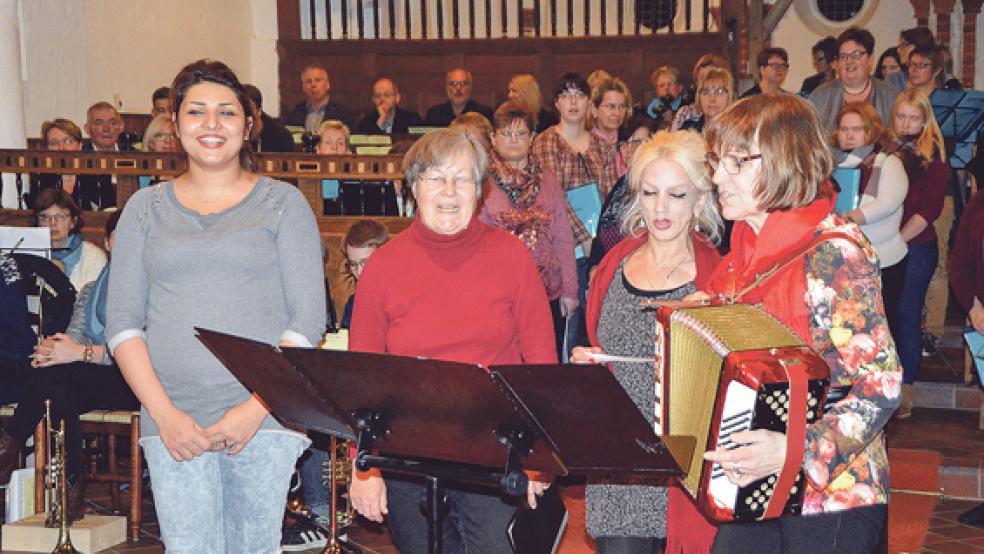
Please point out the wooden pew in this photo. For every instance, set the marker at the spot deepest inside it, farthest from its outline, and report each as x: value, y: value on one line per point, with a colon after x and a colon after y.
x: 306, y: 170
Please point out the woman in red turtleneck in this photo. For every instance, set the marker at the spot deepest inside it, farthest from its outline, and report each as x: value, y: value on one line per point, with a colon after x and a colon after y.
x: 467, y: 293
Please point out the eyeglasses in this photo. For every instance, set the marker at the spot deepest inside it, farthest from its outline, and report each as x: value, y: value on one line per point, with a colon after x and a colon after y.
x: 856, y: 55
x: 614, y: 107
x: 459, y: 84
x: 715, y: 91
x: 572, y: 95
x: 778, y: 66
x: 437, y: 180
x: 164, y: 136
x: 47, y: 218
x: 513, y: 135
x: 67, y: 141
x: 920, y: 65
x: 730, y: 162
x: 356, y: 265
x: 382, y: 95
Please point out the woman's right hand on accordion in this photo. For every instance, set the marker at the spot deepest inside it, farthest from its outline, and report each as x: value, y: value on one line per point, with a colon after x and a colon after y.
x: 583, y: 354
x: 761, y: 454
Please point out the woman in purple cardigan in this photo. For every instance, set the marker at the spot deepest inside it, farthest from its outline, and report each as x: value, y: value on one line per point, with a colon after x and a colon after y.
x: 526, y: 200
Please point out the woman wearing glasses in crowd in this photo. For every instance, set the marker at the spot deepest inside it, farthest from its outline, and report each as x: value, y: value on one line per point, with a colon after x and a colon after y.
x: 920, y: 146
x: 611, y: 104
x: 469, y: 293
x: 58, y: 135
x: 668, y: 254
x: 80, y: 259
x: 525, y: 200
x: 771, y: 163
x: 715, y: 92
x: 221, y: 248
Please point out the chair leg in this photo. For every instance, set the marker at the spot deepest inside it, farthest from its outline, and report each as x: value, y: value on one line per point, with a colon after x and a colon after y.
x: 114, y: 487
x: 136, y: 479
x: 40, y: 460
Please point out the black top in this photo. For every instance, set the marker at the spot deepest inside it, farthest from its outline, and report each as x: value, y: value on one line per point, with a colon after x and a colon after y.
x: 402, y: 121
x: 333, y: 110
x: 442, y: 115
x: 275, y: 137
x: 812, y: 82
x: 92, y: 192
x: 752, y: 91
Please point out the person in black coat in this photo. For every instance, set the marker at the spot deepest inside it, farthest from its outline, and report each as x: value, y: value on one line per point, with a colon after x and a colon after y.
x: 273, y: 136
x: 388, y: 117
x: 459, y: 88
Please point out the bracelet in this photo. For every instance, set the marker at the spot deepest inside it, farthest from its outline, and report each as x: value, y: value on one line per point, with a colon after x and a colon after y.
x: 87, y: 354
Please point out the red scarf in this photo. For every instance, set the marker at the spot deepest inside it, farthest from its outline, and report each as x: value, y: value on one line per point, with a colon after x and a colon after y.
x: 783, y: 235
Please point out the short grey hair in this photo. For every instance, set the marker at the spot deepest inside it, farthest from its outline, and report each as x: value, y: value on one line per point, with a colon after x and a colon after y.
x: 438, y: 147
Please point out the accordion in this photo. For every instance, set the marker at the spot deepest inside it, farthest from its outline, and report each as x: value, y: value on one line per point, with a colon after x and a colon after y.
x: 725, y: 369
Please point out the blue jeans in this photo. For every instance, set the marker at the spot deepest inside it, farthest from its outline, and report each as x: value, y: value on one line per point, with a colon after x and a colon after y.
x: 314, y: 493
x: 217, y: 503
x: 919, y: 271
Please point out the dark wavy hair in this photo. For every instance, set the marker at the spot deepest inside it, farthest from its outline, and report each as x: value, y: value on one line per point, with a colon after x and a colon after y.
x: 214, y: 71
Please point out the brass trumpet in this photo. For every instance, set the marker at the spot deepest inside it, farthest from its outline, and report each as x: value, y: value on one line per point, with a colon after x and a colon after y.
x: 337, y: 470
x: 56, y: 485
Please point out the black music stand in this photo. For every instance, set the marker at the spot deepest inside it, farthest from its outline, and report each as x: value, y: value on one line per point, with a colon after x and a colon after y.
x: 458, y: 422
x: 960, y: 116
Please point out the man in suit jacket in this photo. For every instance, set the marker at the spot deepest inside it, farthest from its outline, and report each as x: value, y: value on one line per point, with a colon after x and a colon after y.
x: 388, y: 117
x: 459, y: 87
x: 104, y: 126
x: 273, y: 136
x: 315, y: 83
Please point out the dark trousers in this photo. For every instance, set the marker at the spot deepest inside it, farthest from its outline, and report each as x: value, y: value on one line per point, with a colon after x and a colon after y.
x: 629, y: 545
x: 476, y: 522
x: 560, y: 328
x: 921, y: 265
x: 893, y: 281
x: 14, y: 370
x: 856, y: 531
x: 74, y: 389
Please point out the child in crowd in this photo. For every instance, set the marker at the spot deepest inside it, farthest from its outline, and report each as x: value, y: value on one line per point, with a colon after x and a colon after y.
x: 361, y: 240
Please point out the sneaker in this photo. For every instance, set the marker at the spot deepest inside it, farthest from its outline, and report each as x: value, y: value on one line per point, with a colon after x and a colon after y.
x: 929, y: 345
x: 301, y: 535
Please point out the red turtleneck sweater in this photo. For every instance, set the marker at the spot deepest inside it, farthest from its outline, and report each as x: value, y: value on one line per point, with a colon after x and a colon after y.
x: 472, y: 297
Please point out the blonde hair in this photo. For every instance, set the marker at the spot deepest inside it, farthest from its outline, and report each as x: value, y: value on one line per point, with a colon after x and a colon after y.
x: 687, y: 150
x: 330, y: 124
x: 930, y: 141
x: 529, y: 91
x: 596, y: 77
x: 664, y: 70
x: 612, y: 85
x: 716, y: 74
x: 153, y: 128
x: 785, y: 129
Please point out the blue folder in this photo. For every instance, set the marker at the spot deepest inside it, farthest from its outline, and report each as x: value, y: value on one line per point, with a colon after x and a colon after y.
x: 586, y: 202
x: 849, y: 181
x: 975, y: 342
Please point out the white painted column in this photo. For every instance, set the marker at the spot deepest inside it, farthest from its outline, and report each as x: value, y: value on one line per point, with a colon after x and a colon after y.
x: 12, y: 134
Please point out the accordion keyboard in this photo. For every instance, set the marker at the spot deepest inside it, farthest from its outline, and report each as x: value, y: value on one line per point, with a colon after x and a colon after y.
x: 736, y: 416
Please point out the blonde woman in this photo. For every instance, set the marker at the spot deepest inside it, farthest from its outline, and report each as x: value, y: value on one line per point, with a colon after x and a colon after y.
x: 525, y: 89
x: 662, y: 258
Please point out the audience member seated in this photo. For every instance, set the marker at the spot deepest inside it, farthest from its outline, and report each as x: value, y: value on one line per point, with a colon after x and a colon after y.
x: 271, y: 135
x: 824, y: 54
x: 75, y: 371
x: 525, y: 200
x: 861, y: 141
x: 909, y: 39
x: 854, y: 81
x: 715, y: 92
x: 160, y: 102
x: 63, y: 135
x: 388, y: 117
x: 524, y: 88
x: 16, y: 341
x: 82, y: 261
x: 611, y: 104
x: 596, y: 77
x: 318, y: 107
x: 333, y: 138
x: 926, y: 69
x: 888, y: 63
x: 773, y: 66
x: 669, y: 93
x: 160, y: 136
x: 459, y: 88
x: 104, y: 126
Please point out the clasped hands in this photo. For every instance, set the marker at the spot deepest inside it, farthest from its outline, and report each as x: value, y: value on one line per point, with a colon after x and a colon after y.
x: 56, y: 349
x: 185, y: 439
